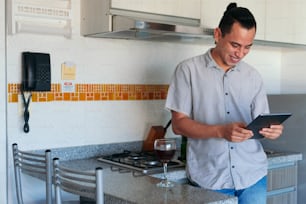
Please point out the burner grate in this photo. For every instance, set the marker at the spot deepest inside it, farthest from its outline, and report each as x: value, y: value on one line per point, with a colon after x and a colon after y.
x: 140, y: 162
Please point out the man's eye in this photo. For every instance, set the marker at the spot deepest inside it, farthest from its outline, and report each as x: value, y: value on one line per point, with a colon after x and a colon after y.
x: 235, y: 45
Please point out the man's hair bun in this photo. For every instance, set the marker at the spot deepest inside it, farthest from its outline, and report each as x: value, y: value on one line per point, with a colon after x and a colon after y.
x: 231, y: 6
x: 236, y: 14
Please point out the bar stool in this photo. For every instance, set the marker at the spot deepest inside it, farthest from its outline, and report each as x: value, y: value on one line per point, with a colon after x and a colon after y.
x: 32, y: 163
x: 84, y: 183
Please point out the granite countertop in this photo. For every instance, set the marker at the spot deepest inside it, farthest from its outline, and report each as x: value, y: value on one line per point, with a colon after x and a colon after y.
x: 277, y: 157
x: 126, y: 188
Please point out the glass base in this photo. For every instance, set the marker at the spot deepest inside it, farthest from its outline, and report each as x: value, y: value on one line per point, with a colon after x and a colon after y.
x: 165, y: 184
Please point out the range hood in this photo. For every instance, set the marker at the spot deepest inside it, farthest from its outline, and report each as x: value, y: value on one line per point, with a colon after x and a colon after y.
x: 99, y: 19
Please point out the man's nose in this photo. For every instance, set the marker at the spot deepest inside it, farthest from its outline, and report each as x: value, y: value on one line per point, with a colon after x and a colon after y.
x: 240, y: 52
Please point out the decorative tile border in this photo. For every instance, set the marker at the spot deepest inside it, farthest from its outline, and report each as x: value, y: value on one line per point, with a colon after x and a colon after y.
x: 95, y: 92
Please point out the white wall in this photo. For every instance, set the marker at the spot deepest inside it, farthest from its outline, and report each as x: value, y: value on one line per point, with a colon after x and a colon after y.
x: 3, y: 158
x: 293, y: 71
x: 267, y: 60
x: 59, y: 124
x: 98, y: 61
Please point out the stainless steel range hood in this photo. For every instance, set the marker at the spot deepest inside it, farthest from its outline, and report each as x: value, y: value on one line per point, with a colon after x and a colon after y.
x: 99, y: 19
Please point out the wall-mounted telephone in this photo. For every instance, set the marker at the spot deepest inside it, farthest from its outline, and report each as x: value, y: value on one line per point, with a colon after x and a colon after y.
x: 36, y: 75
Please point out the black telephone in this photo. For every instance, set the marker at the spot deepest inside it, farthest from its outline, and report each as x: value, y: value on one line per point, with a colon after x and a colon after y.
x: 36, y: 75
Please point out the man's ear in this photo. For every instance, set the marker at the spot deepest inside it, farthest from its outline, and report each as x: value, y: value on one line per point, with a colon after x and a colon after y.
x: 217, y: 34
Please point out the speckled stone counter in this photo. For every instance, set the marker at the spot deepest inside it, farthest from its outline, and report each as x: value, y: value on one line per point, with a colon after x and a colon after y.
x: 276, y: 158
x: 125, y: 188
x: 89, y: 151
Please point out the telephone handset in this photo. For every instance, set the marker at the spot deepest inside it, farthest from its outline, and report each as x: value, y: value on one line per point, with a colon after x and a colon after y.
x: 36, y: 76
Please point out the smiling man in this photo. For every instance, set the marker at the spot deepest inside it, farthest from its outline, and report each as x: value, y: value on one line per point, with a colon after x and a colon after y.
x: 212, y: 97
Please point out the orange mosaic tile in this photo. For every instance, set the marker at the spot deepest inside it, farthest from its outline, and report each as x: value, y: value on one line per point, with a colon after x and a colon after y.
x: 34, y: 97
x: 82, y: 96
x: 94, y: 92
x: 50, y: 96
x: 13, y: 98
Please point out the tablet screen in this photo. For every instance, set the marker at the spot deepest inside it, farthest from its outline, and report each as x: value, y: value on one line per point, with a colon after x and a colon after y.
x: 266, y: 120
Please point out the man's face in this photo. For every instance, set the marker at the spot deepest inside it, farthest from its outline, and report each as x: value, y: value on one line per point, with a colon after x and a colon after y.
x: 232, y: 47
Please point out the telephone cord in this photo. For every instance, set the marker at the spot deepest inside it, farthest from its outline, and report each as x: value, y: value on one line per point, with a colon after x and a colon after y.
x: 26, y: 102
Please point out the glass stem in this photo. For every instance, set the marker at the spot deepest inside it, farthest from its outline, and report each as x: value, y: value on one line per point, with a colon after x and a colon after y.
x: 165, y: 171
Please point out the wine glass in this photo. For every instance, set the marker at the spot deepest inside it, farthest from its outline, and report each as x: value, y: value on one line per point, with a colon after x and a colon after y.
x: 165, y: 150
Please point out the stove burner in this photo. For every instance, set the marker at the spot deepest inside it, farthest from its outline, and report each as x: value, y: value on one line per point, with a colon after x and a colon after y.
x: 135, y: 157
x: 151, y: 163
x: 143, y: 162
x: 140, y: 159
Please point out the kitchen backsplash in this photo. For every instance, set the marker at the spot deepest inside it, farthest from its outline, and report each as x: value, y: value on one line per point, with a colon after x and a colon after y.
x: 95, y: 92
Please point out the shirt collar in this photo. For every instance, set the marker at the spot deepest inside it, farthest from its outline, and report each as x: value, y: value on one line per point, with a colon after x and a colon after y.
x: 211, y: 63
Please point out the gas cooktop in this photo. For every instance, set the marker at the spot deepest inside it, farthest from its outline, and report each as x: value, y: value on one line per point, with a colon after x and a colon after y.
x: 140, y: 163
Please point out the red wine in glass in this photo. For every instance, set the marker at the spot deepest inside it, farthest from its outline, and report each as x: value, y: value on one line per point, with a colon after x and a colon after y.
x: 165, y: 156
x: 165, y: 150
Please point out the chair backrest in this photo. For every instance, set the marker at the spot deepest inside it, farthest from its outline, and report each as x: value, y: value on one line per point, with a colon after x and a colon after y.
x: 84, y: 183
x: 32, y: 163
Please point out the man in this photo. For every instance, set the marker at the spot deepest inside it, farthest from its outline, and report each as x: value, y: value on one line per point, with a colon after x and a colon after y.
x: 212, y: 97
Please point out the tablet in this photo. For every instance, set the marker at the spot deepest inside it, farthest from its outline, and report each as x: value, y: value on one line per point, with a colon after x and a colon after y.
x: 266, y: 120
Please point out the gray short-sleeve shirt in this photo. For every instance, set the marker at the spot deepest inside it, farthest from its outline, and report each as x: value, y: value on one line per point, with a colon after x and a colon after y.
x: 208, y: 94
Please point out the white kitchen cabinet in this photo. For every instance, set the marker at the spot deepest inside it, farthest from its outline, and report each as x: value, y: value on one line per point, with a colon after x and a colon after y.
x: 286, y: 21
x: 277, y: 20
x: 258, y: 8
x: 182, y: 8
x: 300, y: 23
x: 280, y: 20
x: 212, y: 11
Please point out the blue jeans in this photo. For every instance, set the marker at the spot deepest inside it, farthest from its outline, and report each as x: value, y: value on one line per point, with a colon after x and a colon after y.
x: 255, y: 194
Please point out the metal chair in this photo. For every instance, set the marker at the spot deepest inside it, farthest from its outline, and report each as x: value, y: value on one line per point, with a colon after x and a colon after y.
x: 84, y: 183
x: 32, y: 163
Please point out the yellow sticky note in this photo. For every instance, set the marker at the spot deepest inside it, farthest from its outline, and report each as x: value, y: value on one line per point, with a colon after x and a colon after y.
x: 68, y: 71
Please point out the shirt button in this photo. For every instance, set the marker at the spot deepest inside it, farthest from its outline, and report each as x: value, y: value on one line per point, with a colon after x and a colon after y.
x: 226, y: 94
x: 233, y: 166
x: 228, y: 112
x: 232, y: 147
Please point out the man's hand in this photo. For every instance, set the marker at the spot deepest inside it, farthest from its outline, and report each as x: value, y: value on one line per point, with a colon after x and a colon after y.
x: 273, y: 132
x: 236, y: 132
